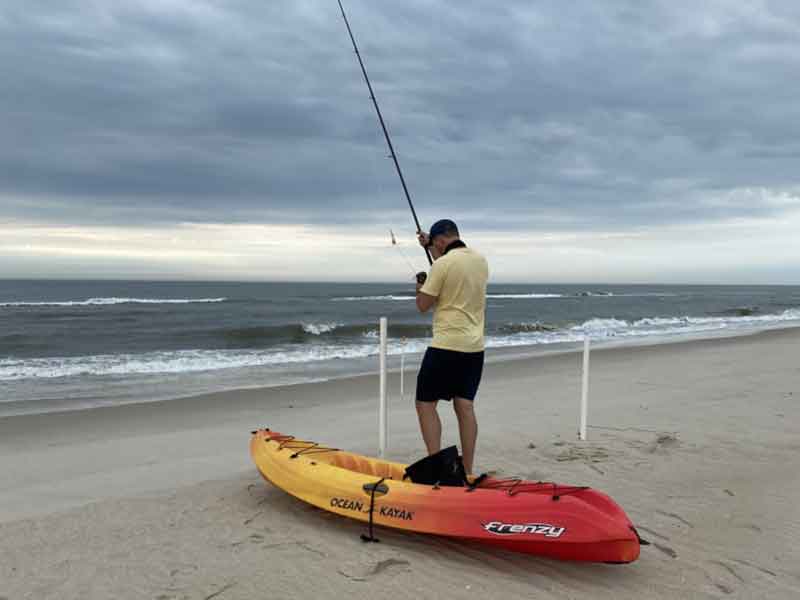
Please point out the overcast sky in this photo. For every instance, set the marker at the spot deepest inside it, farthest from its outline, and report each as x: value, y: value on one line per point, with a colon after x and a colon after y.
x: 619, y: 141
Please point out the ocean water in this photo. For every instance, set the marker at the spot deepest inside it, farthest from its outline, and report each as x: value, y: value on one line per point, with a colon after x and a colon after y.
x: 76, y: 344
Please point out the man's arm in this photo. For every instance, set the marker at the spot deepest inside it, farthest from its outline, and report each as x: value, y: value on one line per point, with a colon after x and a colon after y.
x: 431, y: 284
x: 424, y: 301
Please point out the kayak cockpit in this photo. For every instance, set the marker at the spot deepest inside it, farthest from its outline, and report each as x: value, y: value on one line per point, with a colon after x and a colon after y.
x: 356, y: 463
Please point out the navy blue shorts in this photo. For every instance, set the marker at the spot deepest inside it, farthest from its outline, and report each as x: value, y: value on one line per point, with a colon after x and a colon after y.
x: 447, y: 374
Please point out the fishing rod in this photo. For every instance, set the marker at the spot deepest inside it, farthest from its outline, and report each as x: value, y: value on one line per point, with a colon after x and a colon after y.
x: 383, y: 126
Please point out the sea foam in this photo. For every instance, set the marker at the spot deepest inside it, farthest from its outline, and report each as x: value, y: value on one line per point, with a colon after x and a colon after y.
x: 113, y: 301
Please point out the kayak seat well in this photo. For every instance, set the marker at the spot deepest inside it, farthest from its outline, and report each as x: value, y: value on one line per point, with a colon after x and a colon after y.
x: 365, y: 465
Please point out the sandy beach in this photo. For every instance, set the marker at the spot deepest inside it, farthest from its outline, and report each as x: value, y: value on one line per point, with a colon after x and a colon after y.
x: 698, y: 441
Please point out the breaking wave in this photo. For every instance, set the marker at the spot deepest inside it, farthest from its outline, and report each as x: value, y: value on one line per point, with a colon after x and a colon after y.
x: 384, y: 297
x: 114, y: 301
x: 401, y: 342
x: 512, y: 296
x: 523, y: 296
x: 404, y: 297
x: 319, y: 328
x: 186, y: 361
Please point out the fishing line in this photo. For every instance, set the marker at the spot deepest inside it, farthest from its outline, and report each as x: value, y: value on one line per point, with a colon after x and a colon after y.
x: 376, y: 173
x: 403, y: 254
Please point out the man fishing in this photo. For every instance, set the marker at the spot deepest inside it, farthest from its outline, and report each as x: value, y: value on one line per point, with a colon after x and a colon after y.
x: 452, y: 366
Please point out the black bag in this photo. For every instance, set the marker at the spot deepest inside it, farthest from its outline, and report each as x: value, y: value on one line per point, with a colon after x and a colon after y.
x: 443, y: 468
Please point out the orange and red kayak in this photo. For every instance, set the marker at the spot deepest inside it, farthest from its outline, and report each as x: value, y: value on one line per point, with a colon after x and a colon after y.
x: 548, y: 519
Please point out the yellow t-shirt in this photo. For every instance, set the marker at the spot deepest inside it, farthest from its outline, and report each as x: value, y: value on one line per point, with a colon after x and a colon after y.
x: 458, y: 281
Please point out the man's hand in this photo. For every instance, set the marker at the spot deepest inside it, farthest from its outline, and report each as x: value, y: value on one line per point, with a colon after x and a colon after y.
x: 425, y: 242
x: 424, y: 302
x: 422, y: 277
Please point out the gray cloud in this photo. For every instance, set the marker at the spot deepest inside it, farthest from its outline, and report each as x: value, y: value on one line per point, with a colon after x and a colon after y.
x: 532, y: 115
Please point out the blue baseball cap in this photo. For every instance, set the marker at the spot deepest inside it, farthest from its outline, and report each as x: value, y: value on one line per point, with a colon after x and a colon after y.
x: 441, y: 227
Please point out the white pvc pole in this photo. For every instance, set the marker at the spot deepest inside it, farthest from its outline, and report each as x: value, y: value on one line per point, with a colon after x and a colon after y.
x: 402, y: 369
x: 584, y: 389
x: 382, y: 428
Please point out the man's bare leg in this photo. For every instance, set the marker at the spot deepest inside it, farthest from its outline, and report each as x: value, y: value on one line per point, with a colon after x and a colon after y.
x: 430, y: 425
x: 467, y: 429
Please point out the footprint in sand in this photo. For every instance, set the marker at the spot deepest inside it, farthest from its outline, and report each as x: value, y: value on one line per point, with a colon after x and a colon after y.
x: 756, y: 567
x: 676, y: 517
x: 665, y: 549
x: 663, y: 443
x: 220, y: 591
x: 590, y: 454
x: 254, y: 538
x: 725, y: 587
x: 293, y: 545
x: 382, y: 566
x: 184, y: 570
x: 652, y: 532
